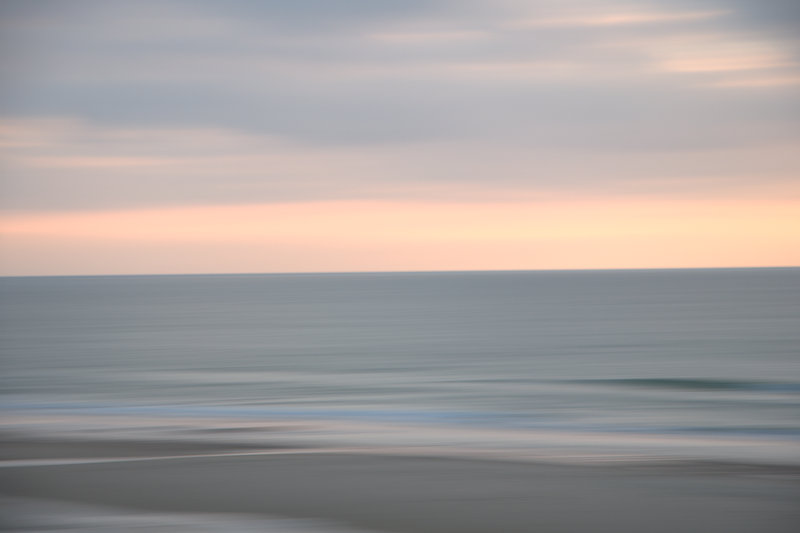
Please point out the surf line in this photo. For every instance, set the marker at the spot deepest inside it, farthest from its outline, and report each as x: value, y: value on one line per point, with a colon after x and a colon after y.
x: 15, y: 463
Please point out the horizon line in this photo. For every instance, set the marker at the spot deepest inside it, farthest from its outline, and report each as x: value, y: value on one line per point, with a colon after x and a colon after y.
x: 361, y: 272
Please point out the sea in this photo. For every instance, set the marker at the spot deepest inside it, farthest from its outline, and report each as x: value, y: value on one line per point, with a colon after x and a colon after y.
x: 564, y: 366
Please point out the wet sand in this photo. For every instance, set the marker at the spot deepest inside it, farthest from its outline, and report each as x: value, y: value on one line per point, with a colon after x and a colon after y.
x: 433, y: 494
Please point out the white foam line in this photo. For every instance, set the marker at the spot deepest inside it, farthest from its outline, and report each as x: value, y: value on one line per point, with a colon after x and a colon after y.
x: 12, y: 463
x: 502, y: 455
x: 485, y: 454
x: 410, y: 451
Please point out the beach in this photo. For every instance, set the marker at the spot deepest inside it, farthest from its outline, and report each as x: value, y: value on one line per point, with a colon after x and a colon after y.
x: 416, y: 493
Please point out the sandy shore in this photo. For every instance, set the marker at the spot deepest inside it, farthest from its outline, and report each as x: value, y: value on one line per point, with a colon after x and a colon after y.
x: 428, y: 494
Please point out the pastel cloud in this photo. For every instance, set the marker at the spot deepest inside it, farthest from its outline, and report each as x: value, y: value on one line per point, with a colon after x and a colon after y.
x: 367, y: 125
x: 68, y: 164
x: 429, y: 70
x: 619, y: 18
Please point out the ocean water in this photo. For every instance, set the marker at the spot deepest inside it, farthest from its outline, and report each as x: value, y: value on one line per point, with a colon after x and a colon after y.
x: 570, y: 365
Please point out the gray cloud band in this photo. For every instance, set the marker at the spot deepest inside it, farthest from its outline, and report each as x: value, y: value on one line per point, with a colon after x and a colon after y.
x: 551, y: 81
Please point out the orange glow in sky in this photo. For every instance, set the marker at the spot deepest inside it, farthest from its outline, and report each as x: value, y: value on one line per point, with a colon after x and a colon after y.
x: 375, y: 236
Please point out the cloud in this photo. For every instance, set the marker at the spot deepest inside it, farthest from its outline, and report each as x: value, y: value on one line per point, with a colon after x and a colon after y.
x: 612, y: 18
x: 178, y: 102
x: 67, y: 164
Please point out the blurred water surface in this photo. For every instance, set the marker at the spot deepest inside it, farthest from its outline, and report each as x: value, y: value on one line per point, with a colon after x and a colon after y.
x: 709, y: 353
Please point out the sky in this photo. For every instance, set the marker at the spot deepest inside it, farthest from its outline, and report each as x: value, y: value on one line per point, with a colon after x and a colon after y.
x: 199, y: 136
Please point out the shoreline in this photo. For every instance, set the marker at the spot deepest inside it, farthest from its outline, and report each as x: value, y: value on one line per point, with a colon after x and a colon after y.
x: 426, y: 492
x: 21, y: 449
